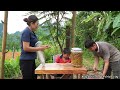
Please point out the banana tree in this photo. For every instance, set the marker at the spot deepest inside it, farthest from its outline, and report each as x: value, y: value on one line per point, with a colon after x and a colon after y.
x: 106, y: 26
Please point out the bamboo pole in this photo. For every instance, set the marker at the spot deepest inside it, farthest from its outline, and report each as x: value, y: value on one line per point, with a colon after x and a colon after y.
x: 3, y: 45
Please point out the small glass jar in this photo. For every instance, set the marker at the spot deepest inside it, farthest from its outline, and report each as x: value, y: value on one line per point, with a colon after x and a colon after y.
x: 76, y: 57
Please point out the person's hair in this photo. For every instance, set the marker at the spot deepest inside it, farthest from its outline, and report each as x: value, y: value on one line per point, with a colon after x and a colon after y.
x: 66, y: 51
x: 89, y: 43
x: 31, y: 18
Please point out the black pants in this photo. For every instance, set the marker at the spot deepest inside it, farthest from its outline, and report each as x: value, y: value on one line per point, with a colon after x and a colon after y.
x: 114, y: 67
x: 27, y: 68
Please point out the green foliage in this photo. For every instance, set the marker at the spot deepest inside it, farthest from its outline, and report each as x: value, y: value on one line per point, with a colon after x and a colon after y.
x: 116, y: 22
x: 46, y: 34
x: 108, y: 21
x: 96, y: 25
x: 37, y: 62
x: 11, y: 68
x: 50, y: 52
x: 99, y: 27
x: 1, y: 29
x: 85, y: 31
x: 88, y: 60
x: 93, y: 15
x: 103, y: 26
x: 53, y: 24
x: 116, y: 31
x: 0, y: 44
x: 13, y: 40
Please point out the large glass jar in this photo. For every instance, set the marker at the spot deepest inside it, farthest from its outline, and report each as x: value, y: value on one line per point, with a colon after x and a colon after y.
x: 76, y: 57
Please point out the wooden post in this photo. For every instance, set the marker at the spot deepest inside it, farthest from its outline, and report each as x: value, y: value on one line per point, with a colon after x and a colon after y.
x: 73, y: 29
x: 3, y: 45
x: 73, y: 35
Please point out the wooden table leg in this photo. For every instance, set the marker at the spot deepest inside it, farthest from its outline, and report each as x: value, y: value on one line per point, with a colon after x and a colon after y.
x: 44, y: 76
x: 75, y: 76
x: 79, y: 76
x: 41, y: 76
x: 48, y: 76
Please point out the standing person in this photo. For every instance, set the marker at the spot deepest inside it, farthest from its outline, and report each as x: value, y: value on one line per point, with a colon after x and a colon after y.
x: 28, y: 49
x: 110, y: 55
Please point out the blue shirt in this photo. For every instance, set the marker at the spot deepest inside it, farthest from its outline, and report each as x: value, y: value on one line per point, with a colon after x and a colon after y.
x: 28, y: 36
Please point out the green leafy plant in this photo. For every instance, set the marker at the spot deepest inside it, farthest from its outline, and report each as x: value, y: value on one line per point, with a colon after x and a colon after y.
x: 12, y: 69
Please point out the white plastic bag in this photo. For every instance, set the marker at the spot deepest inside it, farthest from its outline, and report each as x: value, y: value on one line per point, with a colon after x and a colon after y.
x: 40, y: 54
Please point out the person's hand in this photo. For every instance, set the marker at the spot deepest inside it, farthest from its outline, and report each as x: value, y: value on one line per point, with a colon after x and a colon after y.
x: 94, y: 68
x: 46, y: 46
x: 41, y: 48
x: 103, y: 75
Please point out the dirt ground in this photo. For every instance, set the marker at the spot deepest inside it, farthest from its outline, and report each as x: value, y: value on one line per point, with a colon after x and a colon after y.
x: 89, y: 75
x: 9, y: 55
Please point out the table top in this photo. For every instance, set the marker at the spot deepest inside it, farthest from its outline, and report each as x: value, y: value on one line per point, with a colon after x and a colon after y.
x: 59, y: 68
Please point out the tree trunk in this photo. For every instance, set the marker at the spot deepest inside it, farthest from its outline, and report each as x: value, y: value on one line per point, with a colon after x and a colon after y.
x: 53, y: 41
x: 57, y: 39
x: 68, y: 36
x: 3, y: 45
x: 73, y: 28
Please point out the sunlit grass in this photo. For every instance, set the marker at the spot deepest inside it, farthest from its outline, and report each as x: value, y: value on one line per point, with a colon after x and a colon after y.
x: 88, y: 60
x: 11, y: 69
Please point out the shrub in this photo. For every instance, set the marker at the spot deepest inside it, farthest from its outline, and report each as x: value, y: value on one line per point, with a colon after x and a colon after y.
x: 11, y: 68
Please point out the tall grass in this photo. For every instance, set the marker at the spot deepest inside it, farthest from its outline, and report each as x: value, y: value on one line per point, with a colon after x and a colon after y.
x: 12, y: 69
x: 88, y: 60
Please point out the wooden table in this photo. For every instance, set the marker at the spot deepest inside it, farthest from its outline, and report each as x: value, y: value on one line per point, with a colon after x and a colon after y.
x: 60, y: 68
